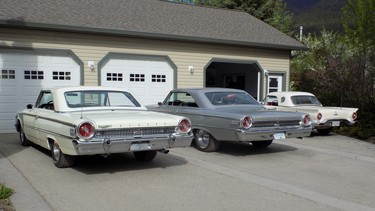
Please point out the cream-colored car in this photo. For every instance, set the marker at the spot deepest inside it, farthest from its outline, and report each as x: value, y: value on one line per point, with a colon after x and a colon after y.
x: 76, y: 121
x: 323, y: 118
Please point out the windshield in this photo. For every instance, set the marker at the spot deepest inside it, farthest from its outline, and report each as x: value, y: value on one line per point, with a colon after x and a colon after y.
x: 230, y: 98
x: 75, y: 99
x: 305, y: 100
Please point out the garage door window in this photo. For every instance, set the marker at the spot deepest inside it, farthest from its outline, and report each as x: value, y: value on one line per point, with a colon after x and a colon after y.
x: 114, y: 76
x: 34, y: 75
x: 137, y: 77
x: 8, y: 74
x: 61, y: 76
x: 158, y: 78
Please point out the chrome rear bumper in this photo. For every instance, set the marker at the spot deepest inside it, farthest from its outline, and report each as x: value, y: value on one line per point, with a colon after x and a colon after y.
x: 118, y: 145
x: 265, y: 134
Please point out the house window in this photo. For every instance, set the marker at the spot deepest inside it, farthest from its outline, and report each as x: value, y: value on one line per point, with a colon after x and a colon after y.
x: 158, y: 78
x: 114, y: 76
x: 8, y: 74
x: 61, y: 76
x: 137, y: 77
x: 34, y: 74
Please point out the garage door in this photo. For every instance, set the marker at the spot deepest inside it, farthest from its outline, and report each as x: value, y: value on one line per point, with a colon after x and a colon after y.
x: 23, y: 75
x: 149, y: 78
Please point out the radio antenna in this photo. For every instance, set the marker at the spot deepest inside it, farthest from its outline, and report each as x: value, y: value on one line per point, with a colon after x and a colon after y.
x: 82, y: 104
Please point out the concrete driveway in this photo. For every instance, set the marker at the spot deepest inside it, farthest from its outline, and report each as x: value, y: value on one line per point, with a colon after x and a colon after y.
x: 318, y: 173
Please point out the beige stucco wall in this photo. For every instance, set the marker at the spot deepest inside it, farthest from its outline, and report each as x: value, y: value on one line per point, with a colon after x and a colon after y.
x: 94, y: 47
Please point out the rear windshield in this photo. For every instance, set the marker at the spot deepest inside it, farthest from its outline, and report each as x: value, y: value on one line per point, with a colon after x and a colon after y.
x: 230, y: 98
x: 305, y: 100
x: 91, y: 98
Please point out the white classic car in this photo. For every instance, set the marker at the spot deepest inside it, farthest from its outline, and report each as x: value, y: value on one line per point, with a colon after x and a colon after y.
x: 323, y: 118
x: 76, y: 121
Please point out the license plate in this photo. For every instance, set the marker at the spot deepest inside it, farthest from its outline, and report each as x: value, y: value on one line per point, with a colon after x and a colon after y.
x: 335, y: 123
x: 140, y: 147
x: 278, y: 136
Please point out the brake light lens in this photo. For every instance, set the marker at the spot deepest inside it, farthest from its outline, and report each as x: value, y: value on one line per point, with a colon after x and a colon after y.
x: 85, y: 130
x: 354, y: 115
x: 246, y: 122
x: 319, y: 116
x: 184, y: 126
x: 306, y: 120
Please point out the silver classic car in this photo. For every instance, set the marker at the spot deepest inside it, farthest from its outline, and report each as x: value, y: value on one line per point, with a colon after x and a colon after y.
x: 97, y: 120
x: 221, y: 114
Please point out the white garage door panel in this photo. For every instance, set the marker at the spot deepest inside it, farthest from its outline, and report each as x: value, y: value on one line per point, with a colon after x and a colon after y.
x: 22, y: 77
x: 148, y: 78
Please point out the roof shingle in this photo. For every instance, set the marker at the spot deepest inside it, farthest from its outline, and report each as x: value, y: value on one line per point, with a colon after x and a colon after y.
x: 147, y: 18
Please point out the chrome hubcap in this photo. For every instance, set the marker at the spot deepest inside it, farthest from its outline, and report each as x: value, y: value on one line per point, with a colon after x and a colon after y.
x: 203, y: 139
x: 22, y: 138
x: 56, y: 152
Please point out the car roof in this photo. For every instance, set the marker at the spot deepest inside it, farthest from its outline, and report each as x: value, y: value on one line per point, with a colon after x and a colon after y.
x: 290, y: 93
x: 84, y: 88
x: 209, y: 89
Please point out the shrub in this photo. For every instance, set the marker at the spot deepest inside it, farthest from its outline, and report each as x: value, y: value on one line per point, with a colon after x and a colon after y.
x: 5, y: 192
x: 364, y: 129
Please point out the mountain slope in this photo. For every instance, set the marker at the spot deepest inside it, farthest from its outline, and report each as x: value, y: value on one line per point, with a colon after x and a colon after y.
x: 315, y: 15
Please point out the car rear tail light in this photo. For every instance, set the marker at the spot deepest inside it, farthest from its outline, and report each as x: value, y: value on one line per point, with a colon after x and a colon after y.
x: 306, y: 120
x: 246, y: 122
x: 319, y: 116
x: 354, y: 115
x: 85, y: 130
x: 184, y: 126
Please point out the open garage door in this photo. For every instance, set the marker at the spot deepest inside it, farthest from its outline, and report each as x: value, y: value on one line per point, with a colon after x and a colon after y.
x: 245, y: 75
x: 23, y: 75
x: 149, y: 78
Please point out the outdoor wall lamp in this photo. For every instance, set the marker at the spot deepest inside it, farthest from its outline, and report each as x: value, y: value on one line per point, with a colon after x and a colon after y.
x: 191, y: 69
x: 91, y: 65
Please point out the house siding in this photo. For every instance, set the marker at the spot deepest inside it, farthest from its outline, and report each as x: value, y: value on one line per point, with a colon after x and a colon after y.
x: 90, y: 47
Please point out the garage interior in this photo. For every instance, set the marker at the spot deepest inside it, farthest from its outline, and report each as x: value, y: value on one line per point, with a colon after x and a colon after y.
x: 243, y: 76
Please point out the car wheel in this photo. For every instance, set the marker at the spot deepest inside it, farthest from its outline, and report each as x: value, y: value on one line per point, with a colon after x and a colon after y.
x: 261, y: 144
x: 60, y: 159
x: 205, y: 142
x: 24, y: 141
x: 324, y: 131
x: 145, y: 155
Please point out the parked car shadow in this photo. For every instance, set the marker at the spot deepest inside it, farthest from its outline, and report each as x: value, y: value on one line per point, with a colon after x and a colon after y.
x: 124, y: 162
x: 97, y: 164
x: 246, y: 149
x: 314, y: 132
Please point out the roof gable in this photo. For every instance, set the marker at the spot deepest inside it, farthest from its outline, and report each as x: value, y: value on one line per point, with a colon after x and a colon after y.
x: 147, y: 18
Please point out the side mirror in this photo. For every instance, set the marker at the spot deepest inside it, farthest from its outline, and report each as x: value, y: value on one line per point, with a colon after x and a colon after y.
x: 29, y: 106
x: 160, y: 103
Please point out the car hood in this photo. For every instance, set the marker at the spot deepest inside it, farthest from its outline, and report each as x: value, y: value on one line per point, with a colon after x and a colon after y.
x: 128, y: 118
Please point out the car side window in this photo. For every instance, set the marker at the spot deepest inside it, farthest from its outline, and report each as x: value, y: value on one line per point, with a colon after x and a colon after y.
x: 181, y: 99
x: 45, y: 101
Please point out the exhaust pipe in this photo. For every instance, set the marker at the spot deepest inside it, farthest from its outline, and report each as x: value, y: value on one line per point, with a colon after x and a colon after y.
x: 165, y: 151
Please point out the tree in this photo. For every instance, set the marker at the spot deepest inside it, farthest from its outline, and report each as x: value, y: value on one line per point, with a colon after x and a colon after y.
x: 325, y: 69
x: 359, y: 24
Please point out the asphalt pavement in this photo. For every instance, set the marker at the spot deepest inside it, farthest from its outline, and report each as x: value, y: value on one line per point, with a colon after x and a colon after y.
x: 319, y: 173
x: 25, y: 198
